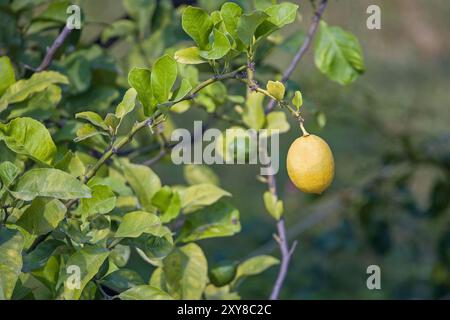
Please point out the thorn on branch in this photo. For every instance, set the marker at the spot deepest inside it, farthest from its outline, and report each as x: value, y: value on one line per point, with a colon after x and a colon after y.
x: 294, y: 245
x: 277, y: 238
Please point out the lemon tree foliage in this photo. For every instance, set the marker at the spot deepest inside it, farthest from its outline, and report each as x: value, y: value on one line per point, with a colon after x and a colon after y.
x: 77, y: 196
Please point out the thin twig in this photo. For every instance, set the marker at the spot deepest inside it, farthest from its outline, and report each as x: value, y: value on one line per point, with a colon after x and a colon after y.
x: 54, y: 47
x: 286, y: 252
x: 301, y: 52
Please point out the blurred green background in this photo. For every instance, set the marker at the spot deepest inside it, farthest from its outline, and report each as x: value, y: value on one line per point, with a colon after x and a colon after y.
x: 389, y: 131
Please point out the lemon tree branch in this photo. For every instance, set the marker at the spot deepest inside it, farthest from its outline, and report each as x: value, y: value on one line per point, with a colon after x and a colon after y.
x: 286, y: 251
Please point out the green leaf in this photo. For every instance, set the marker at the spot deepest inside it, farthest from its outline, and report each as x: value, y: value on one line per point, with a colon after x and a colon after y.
x: 183, y: 90
x: 140, y: 79
x: 138, y: 222
x: 37, y: 258
x: 153, y: 248
x: 200, y: 195
x: 102, y: 201
x: 144, y: 292
x: 231, y: 12
x: 22, y: 89
x: 276, y: 89
x: 221, y: 46
x: 41, y: 105
x: 52, y: 183
x: 87, y: 131
x: 253, y: 115
x: 120, y: 255
x: 29, y: 137
x: 163, y: 77
x: 11, y: 245
x: 168, y: 203
x: 220, y: 293
x: 198, y: 174
x: 158, y: 247
x: 127, y: 104
x: 8, y: 173
x: 222, y: 274
x: 122, y: 279
x: 71, y: 163
x: 89, y: 259
x: 282, y: 14
x: 273, y: 205
x: 247, y: 25
x: 254, y: 266
x: 278, y: 16
x: 144, y: 182
x: 338, y: 54
x: 217, y: 220
x: 186, y: 272
x: 93, y: 118
x: 42, y: 216
x: 198, y: 25
x: 6, y: 74
x: 297, y: 100
x: 189, y: 55
x: 112, y: 121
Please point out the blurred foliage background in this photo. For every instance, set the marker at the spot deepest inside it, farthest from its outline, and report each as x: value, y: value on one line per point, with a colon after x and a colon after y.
x: 389, y: 131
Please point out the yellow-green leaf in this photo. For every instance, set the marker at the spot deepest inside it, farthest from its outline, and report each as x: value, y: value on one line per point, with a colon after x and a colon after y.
x: 276, y: 89
x: 136, y: 223
x: 42, y: 216
x: 6, y: 74
x: 22, y: 89
x: 297, y: 100
x: 144, y: 182
x: 198, y: 25
x: 144, y: 292
x: 11, y: 245
x: 189, y: 56
x: 29, y: 137
x: 163, y: 77
x: 52, y: 183
x: 338, y: 54
x: 186, y: 272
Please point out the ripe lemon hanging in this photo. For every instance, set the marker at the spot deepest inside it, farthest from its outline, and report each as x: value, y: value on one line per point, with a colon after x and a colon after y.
x: 310, y: 164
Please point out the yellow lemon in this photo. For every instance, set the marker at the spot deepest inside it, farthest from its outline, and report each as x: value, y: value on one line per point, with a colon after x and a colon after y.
x: 310, y: 164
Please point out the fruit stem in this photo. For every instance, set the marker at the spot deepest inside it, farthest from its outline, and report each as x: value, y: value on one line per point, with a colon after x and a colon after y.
x: 300, y: 122
x: 302, y: 127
